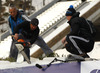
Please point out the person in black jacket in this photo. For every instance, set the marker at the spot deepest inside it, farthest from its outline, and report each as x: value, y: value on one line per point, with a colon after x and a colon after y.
x: 30, y: 34
x: 79, y: 41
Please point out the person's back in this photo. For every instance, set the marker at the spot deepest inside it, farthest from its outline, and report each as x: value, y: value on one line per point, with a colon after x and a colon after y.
x: 87, y: 29
x: 83, y: 28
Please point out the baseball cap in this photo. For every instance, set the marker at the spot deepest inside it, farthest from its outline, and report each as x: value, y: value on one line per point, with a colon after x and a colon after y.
x: 34, y: 21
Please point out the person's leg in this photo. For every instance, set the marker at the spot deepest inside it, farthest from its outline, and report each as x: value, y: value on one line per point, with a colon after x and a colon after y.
x: 26, y: 49
x: 72, y: 45
x: 89, y: 46
x: 41, y: 43
x: 13, y: 50
x: 79, y: 45
x: 71, y: 49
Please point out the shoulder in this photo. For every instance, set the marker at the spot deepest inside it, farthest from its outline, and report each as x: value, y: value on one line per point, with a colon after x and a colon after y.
x: 26, y: 22
x: 19, y: 15
x: 77, y: 19
x: 74, y: 20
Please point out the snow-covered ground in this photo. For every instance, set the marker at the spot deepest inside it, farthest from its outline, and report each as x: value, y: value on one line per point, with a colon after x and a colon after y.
x: 61, y: 52
x: 34, y: 61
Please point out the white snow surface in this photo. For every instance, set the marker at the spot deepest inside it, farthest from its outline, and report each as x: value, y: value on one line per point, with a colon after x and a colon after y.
x: 45, y: 61
x: 62, y: 56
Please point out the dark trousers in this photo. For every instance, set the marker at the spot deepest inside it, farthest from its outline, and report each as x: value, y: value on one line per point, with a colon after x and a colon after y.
x: 14, y: 51
x: 79, y: 45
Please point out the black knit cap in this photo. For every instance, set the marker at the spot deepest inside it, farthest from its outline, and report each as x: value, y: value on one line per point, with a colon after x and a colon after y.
x: 35, y: 21
x: 70, y: 11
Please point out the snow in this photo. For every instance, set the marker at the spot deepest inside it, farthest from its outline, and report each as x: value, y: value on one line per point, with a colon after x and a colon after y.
x: 5, y: 47
x: 62, y: 56
x: 34, y: 61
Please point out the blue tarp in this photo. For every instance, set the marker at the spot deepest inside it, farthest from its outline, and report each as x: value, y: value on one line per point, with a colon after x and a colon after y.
x: 54, y: 68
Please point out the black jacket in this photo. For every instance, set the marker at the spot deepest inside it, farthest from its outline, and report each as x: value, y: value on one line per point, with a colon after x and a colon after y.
x: 27, y: 32
x: 79, y: 26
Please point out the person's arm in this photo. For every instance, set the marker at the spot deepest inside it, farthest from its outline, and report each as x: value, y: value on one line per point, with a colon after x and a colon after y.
x: 20, y: 26
x: 9, y: 26
x: 64, y: 40
x: 9, y: 23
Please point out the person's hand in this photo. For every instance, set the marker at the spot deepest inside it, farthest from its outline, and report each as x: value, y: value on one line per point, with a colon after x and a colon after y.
x: 63, y: 40
x: 29, y: 44
x: 65, y: 43
x: 16, y: 36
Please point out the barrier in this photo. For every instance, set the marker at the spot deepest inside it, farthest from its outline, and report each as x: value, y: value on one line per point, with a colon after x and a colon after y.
x: 54, y: 68
x: 74, y: 67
